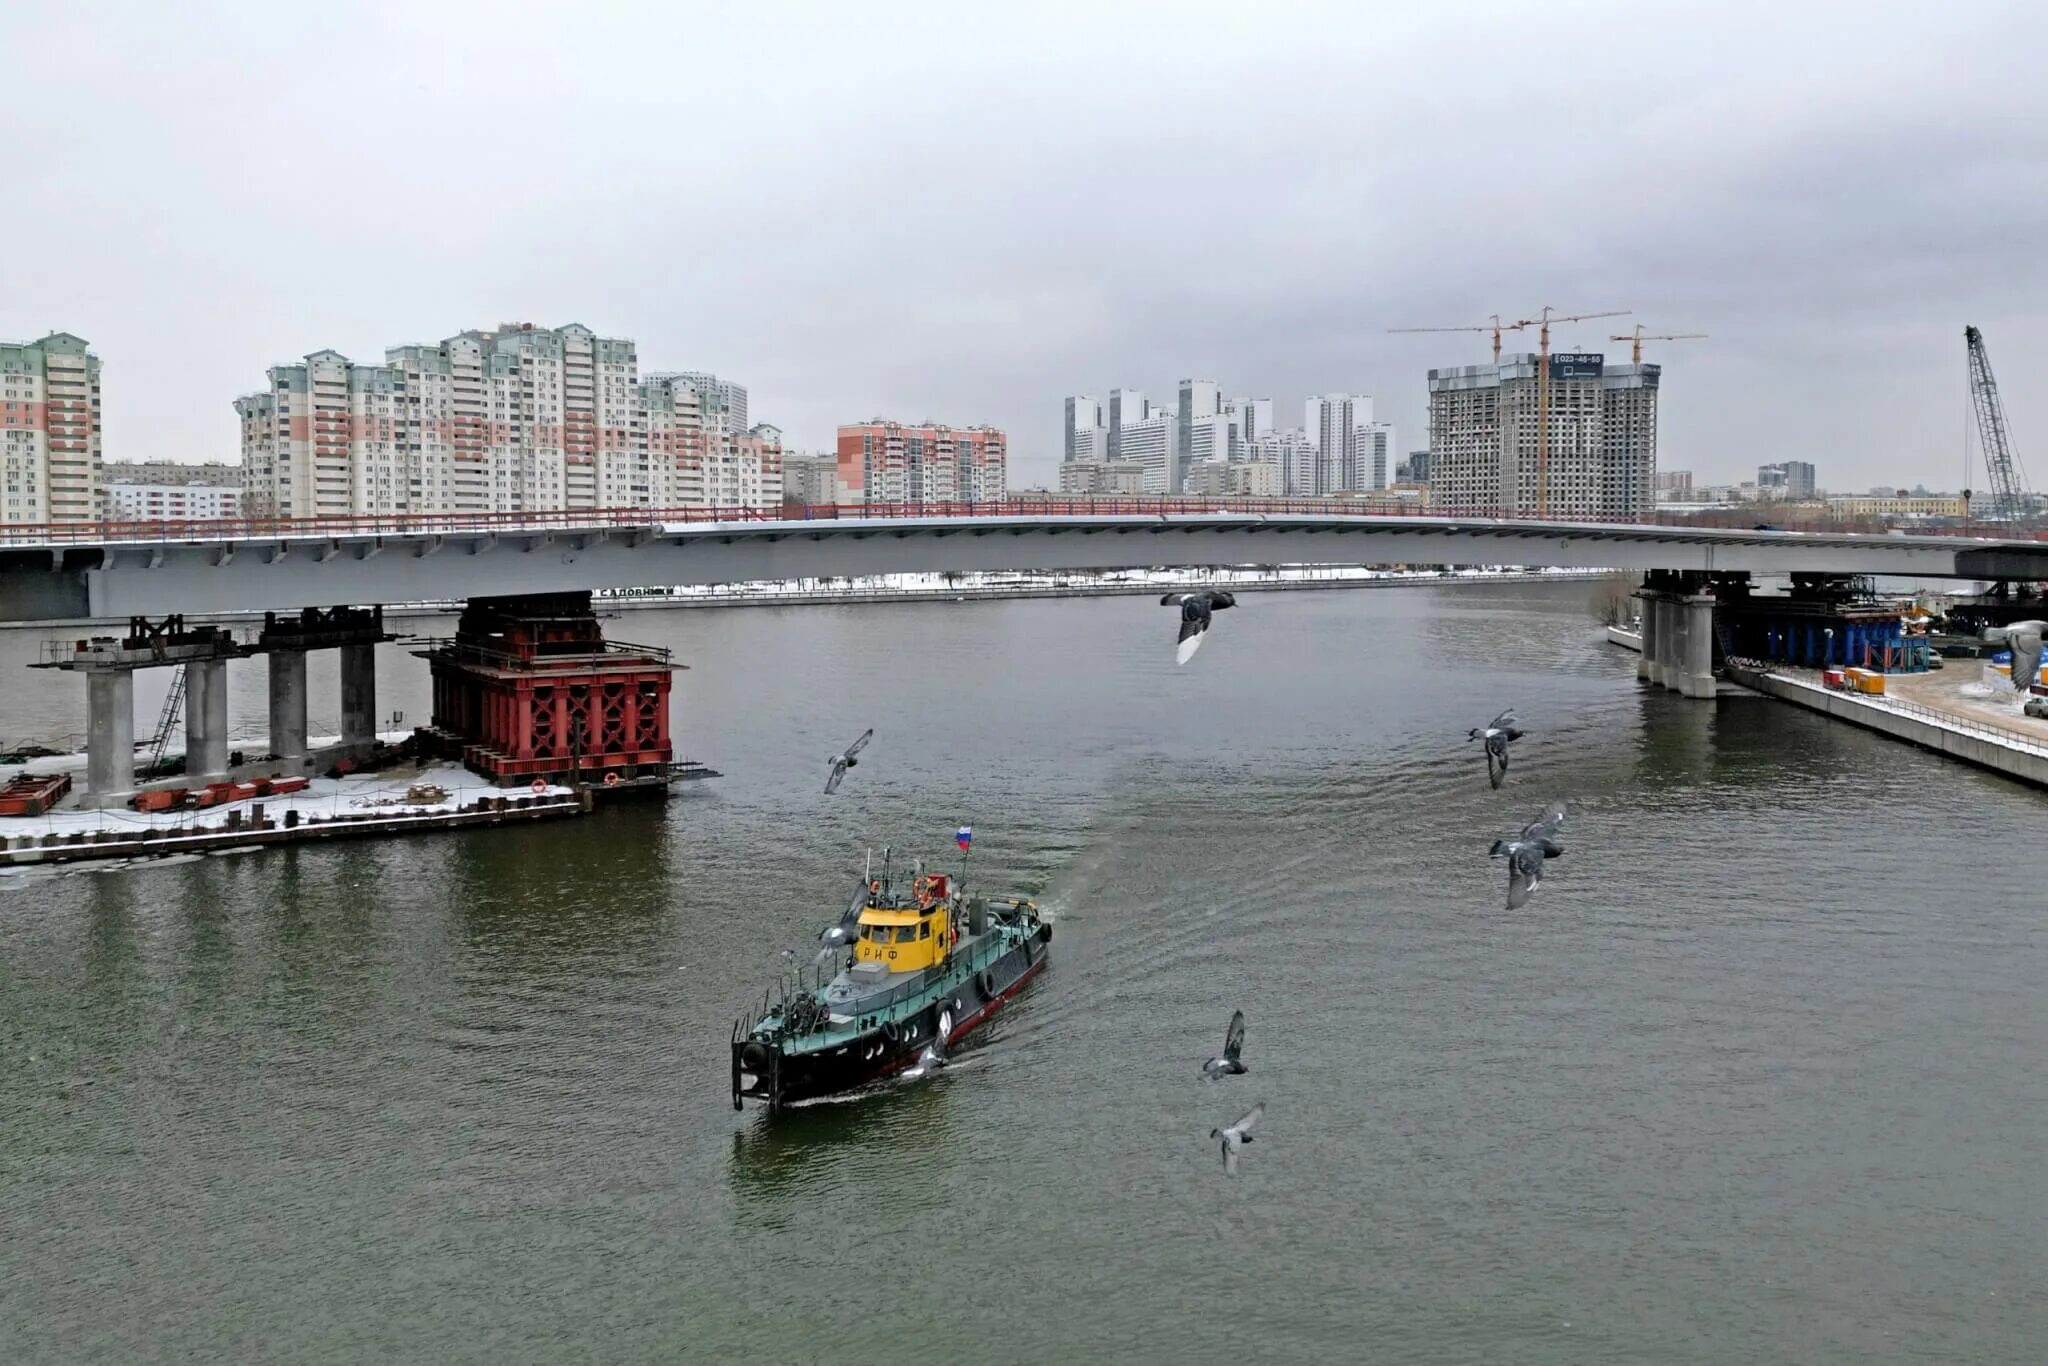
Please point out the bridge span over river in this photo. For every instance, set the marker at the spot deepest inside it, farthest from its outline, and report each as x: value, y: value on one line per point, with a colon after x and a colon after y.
x: 119, y: 570
x: 338, y: 573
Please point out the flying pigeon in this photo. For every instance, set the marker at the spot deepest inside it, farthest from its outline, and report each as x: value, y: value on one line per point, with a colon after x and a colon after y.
x: 841, y: 762
x: 1497, y: 733
x: 1195, y: 611
x: 2024, y: 639
x: 1236, y: 1136
x: 934, y: 1055
x: 1526, y: 853
x: 1233, y: 1044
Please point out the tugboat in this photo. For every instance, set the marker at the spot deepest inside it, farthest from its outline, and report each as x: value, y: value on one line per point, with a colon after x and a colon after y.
x: 926, y: 967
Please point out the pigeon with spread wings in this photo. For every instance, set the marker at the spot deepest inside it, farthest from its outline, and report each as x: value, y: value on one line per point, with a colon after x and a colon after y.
x: 844, y: 760
x: 1196, y: 609
x: 1526, y: 853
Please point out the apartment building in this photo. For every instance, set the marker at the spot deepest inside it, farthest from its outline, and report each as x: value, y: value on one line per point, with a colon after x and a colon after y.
x: 1790, y: 480
x: 890, y: 462
x: 1102, y: 477
x: 167, y: 491
x: 1485, y: 442
x: 810, y: 478
x: 1152, y: 444
x: 49, y: 431
x: 518, y: 419
x: 1086, y: 437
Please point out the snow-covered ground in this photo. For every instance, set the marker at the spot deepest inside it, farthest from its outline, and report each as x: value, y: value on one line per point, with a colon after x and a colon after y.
x: 357, y: 794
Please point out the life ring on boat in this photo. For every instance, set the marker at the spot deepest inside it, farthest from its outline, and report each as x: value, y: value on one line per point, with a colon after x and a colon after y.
x: 611, y: 780
x: 985, y: 983
x: 539, y: 785
x: 921, y: 891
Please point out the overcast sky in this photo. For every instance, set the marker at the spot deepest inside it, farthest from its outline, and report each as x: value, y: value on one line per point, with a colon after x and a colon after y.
x: 966, y: 212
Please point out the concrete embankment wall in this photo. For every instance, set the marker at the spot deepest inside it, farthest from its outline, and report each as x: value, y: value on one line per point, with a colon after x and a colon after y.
x: 2012, y: 758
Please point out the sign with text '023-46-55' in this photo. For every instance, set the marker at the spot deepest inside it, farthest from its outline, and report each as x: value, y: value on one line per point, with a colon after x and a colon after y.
x: 1576, y: 364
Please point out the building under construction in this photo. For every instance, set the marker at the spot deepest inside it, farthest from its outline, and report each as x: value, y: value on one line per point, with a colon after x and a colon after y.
x: 1485, y: 442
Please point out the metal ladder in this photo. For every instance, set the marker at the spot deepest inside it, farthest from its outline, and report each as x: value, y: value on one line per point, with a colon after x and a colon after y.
x: 173, y: 700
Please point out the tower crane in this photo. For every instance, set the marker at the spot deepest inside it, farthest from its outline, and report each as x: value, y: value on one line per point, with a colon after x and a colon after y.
x: 1542, y: 322
x: 1496, y: 327
x: 2008, y: 485
x: 1638, y: 336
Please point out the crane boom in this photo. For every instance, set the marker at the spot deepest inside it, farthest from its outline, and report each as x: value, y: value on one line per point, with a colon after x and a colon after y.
x: 2008, y: 492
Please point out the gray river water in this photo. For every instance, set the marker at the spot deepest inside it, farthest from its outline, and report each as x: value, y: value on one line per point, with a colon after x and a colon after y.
x: 1759, y: 1075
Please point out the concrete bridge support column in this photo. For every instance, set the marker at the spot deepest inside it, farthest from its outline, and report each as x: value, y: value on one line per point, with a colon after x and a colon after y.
x: 1646, y: 660
x: 359, y: 695
x: 1696, y: 675
x: 288, y: 704
x: 1673, y: 655
x: 109, y: 733
x: 206, y: 719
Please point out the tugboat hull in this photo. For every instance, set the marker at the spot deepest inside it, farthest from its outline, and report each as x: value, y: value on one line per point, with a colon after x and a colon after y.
x: 780, y: 1075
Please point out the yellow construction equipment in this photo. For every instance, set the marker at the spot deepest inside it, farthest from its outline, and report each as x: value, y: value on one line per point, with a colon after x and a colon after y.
x: 1638, y: 337
x: 1542, y: 322
x: 1496, y: 327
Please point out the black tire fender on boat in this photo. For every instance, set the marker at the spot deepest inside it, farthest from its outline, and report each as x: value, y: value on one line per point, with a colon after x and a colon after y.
x: 985, y: 983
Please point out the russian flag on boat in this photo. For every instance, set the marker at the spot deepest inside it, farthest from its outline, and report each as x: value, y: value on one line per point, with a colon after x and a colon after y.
x: 965, y: 836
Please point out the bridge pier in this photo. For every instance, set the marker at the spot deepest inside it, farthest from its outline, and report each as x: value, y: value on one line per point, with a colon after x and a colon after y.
x: 206, y: 720
x: 288, y: 704
x: 358, y: 698
x: 109, y: 735
x: 1678, y: 634
x: 1646, y: 658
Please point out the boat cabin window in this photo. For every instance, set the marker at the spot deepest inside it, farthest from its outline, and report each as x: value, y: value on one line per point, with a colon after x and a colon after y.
x: 906, y: 934
x: 924, y: 929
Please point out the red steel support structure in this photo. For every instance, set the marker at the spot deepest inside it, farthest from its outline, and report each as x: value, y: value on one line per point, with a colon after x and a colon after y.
x: 530, y: 689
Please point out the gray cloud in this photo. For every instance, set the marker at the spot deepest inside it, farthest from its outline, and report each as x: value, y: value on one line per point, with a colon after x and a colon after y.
x: 964, y: 213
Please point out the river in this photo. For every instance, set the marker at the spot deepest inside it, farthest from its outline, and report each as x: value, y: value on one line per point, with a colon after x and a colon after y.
x: 1758, y: 1076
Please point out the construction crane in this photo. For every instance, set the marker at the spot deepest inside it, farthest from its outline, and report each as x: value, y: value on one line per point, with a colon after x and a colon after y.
x: 1543, y: 321
x: 2008, y: 484
x: 1638, y: 337
x: 1496, y: 327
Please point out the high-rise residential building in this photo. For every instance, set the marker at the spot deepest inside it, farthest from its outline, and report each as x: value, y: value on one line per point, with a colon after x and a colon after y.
x: 1086, y: 439
x: 1372, y: 442
x: 1789, y: 479
x: 166, y: 491
x: 1253, y: 418
x: 889, y: 462
x: 1209, y: 438
x: 1333, y: 421
x: 1296, y: 458
x: 1125, y: 407
x: 1413, y: 470
x: 1198, y: 398
x: 1484, y: 444
x: 49, y: 431
x: 519, y: 419
x: 810, y: 478
x: 1153, y: 445
x: 724, y: 403
x: 1674, y: 481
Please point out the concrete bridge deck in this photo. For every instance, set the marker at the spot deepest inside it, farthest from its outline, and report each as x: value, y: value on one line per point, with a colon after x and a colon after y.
x: 147, y: 569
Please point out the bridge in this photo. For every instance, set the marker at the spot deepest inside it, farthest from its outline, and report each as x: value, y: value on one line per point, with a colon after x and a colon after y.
x: 339, y: 571
x: 113, y: 571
